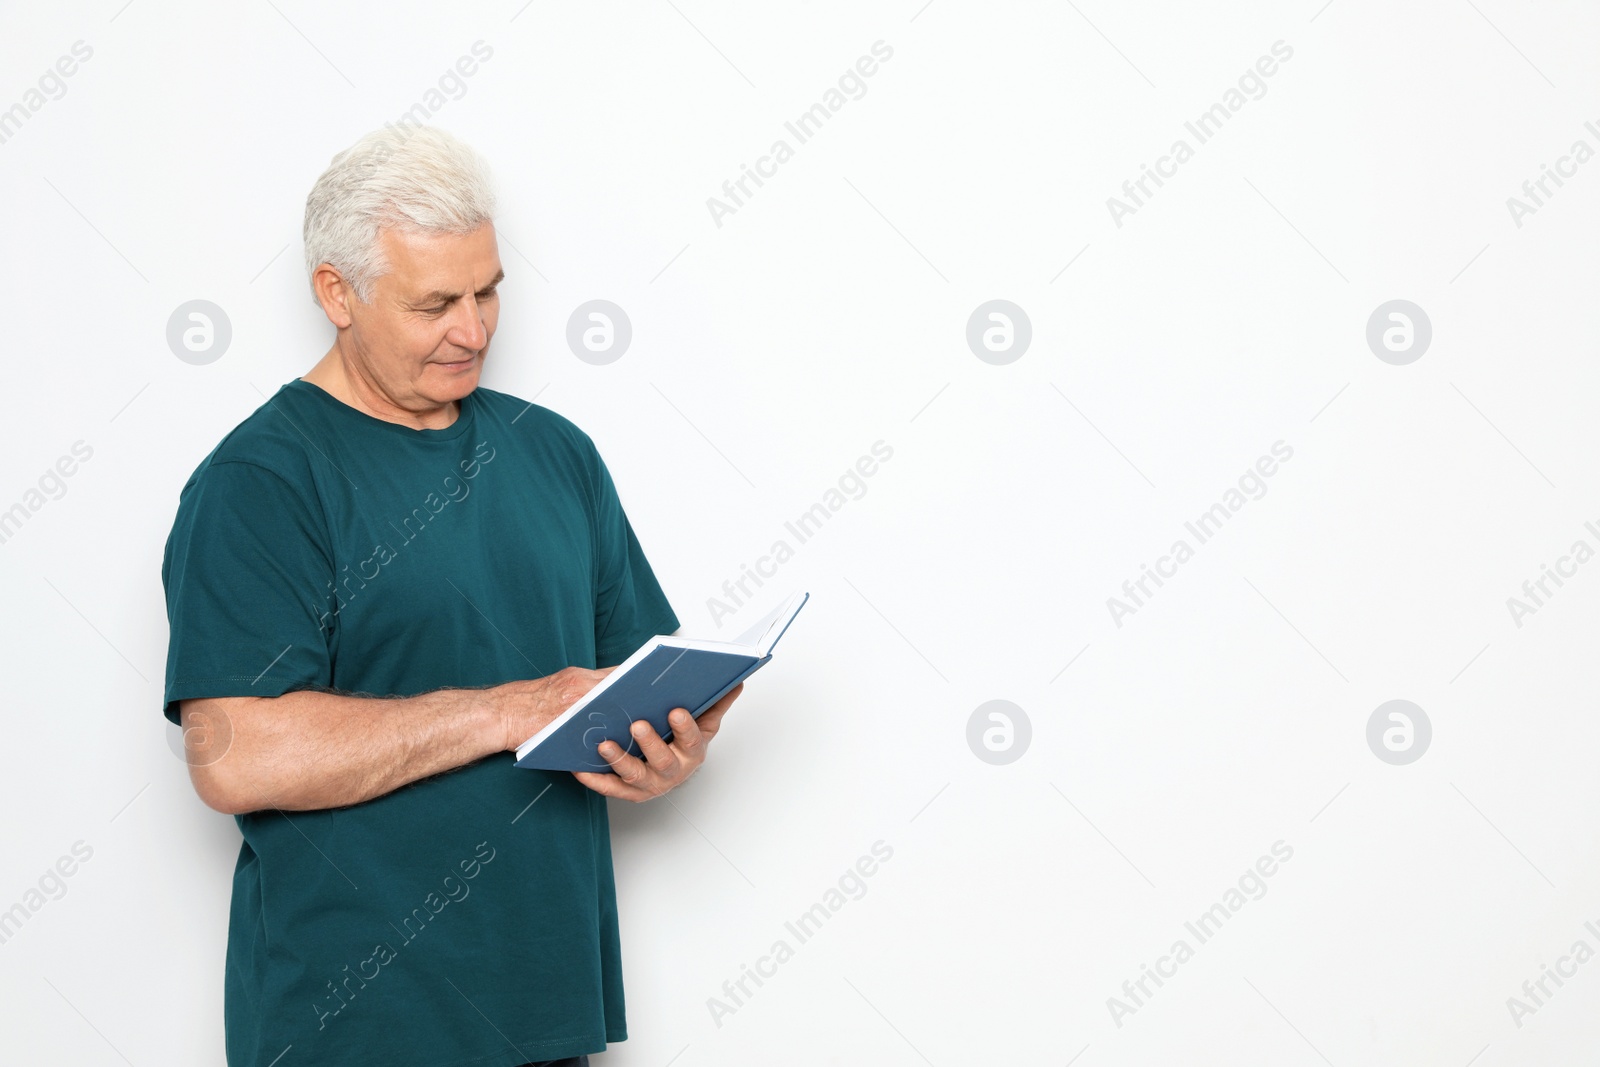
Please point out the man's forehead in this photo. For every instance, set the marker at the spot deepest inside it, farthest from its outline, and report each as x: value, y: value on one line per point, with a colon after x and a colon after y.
x: 442, y: 264
x: 449, y: 292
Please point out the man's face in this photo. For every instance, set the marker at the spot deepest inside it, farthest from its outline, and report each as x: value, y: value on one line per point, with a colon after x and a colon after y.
x: 423, y: 338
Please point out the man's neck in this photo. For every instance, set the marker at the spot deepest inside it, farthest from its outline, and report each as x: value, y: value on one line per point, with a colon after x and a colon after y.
x: 334, y: 375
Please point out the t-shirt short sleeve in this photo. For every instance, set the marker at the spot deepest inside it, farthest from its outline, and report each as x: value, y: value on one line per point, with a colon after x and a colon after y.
x: 630, y: 607
x: 247, y: 573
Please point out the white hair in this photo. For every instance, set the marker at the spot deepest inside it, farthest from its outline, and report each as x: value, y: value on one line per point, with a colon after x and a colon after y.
x: 418, y: 180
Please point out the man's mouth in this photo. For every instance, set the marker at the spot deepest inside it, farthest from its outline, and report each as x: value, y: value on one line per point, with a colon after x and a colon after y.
x: 460, y: 364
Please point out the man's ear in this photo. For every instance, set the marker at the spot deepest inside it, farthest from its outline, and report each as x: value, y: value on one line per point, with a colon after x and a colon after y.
x: 334, y: 294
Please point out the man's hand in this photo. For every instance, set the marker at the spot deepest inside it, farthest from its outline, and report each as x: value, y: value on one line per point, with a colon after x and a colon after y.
x: 669, y: 765
x: 526, y: 707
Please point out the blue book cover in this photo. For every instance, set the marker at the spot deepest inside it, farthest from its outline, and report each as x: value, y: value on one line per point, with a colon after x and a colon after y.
x: 665, y: 673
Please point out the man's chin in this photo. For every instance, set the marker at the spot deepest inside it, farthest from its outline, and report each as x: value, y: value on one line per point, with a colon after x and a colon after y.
x: 444, y: 383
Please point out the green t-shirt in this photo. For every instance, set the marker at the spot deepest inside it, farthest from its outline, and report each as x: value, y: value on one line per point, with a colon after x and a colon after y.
x: 469, y: 918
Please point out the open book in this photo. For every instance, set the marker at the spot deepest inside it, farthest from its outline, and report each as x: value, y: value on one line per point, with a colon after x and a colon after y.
x: 665, y: 673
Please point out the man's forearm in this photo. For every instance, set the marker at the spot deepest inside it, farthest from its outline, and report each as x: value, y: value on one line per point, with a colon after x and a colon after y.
x: 308, y: 749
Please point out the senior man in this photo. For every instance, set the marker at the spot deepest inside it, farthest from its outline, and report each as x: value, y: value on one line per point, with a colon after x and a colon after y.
x: 379, y: 583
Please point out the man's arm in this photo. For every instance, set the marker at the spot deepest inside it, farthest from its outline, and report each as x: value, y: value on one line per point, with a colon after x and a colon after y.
x: 308, y: 750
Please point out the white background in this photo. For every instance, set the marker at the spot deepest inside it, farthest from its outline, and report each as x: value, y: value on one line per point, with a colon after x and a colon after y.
x: 770, y: 353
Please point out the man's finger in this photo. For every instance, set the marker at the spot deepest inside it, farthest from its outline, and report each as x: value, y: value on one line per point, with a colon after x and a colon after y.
x: 711, y: 719
x: 610, y: 786
x: 663, y: 761
x: 687, y: 736
x: 630, y: 769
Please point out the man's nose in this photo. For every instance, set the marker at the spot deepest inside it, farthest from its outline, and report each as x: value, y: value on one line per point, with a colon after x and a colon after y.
x: 468, y: 330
